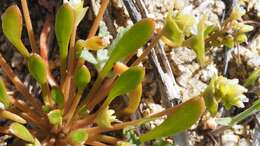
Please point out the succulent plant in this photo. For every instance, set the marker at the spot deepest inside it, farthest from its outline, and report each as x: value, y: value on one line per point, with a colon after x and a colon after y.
x: 66, y: 117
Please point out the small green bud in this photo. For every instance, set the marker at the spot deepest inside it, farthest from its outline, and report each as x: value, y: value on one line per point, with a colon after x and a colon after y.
x: 38, y: 68
x: 55, y: 117
x: 78, y: 136
x: 82, y: 77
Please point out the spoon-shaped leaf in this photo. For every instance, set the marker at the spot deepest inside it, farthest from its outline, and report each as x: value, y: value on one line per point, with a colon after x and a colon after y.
x: 55, y: 117
x: 21, y: 132
x: 64, y: 24
x: 11, y: 116
x: 82, y: 77
x: 12, y: 28
x: 131, y: 40
x: 78, y: 136
x: 252, y: 78
x: 182, y: 118
x: 38, y: 68
x: 172, y: 31
x: 128, y: 81
x: 57, y: 96
x: 4, y: 98
x: 134, y: 99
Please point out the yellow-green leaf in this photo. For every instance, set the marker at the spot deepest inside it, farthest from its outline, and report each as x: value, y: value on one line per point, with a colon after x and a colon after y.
x: 21, y: 132
x: 11, y: 116
x: 185, y: 22
x: 131, y: 40
x: 134, y: 99
x: 57, y: 96
x: 12, y: 28
x: 127, y: 82
x: 78, y: 136
x: 38, y: 68
x: 4, y: 98
x: 198, y: 42
x: 252, y: 78
x: 55, y: 117
x: 82, y: 77
x: 64, y: 24
x: 172, y: 31
x: 182, y: 118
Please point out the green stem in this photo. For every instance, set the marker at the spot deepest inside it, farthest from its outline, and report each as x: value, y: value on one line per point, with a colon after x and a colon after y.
x: 251, y: 110
x: 46, y: 94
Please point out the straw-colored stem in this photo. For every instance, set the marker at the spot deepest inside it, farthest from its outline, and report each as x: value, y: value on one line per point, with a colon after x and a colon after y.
x: 28, y: 24
x: 96, y: 143
x: 11, y: 116
x: 46, y: 95
x: 18, y: 84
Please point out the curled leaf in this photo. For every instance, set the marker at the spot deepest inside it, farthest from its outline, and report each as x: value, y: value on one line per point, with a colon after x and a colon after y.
x: 181, y: 118
x: 12, y: 28
x: 55, y: 117
x: 172, y: 31
x: 11, y: 116
x: 78, y: 136
x: 82, y: 77
x: 4, y: 98
x: 38, y: 68
x: 64, y: 24
x: 134, y: 99
x: 21, y: 132
x: 80, y: 11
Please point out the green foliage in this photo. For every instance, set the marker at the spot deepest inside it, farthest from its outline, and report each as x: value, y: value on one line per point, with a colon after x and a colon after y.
x: 21, y: 132
x: 161, y: 142
x: 172, y: 31
x: 64, y: 24
x: 182, y: 118
x: 12, y: 28
x: 134, y: 98
x: 57, y: 96
x: 38, y: 68
x: 55, y: 117
x: 82, y: 77
x: 131, y: 40
x: 4, y: 98
x: 130, y: 135
x: 78, y: 136
x: 252, y: 78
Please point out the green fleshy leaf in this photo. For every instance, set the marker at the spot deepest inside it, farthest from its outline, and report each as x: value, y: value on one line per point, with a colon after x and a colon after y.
x: 55, y: 116
x: 127, y: 82
x: 12, y: 28
x: 88, y: 56
x: 57, y: 96
x: 78, y: 136
x: 160, y: 142
x: 134, y: 98
x: 11, y: 116
x: 38, y: 68
x: 241, y: 38
x: 64, y: 24
x: 21, y: 132
x: 229, y: 42
x: 252, y: 78
x: 131, y: 40
x: 4, y: 98
x: 182, y: 117
x: 172, y: 31
x: 209, y: 29
x: 82, y: 77
x: 198, y: 42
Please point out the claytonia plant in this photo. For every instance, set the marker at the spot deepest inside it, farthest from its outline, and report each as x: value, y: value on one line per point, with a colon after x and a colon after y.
x: 74, y: 112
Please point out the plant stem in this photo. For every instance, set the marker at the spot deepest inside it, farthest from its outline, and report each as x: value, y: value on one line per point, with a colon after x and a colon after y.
x: 46, y: 95
x: 4, y: 130
x: 96, y: 143
x: 29, y: 25
x: 251, y: 110
x: 18, y: 84
x: 68, y: 116
x: 107, y: 139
